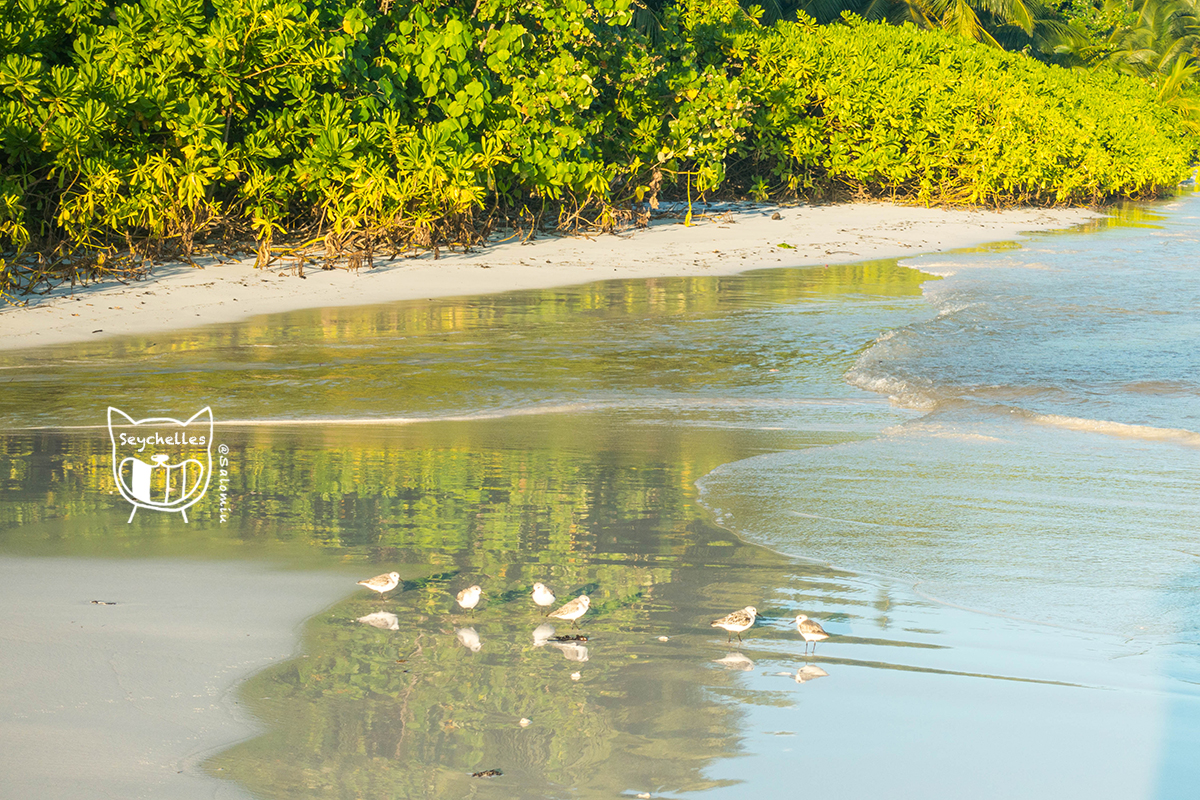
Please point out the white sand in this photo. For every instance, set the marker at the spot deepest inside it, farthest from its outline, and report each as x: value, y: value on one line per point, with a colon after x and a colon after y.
x: 180, y: 295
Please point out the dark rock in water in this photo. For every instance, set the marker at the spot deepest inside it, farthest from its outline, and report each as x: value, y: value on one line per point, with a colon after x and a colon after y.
x: 487, y: 773
x: 568, y: 638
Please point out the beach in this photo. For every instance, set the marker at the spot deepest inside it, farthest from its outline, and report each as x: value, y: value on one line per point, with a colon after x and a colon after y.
x: 731, y: 401
x: 117, y: 677
x: 724, y: 242
x: 679, y: 422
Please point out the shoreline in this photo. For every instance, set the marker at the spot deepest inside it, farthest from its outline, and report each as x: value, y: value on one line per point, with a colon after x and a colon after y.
x: 725, y: 242
x: 131, y: 697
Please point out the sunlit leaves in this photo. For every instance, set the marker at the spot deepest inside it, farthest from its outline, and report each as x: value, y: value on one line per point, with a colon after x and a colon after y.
x: 946, y: 121
x: 160, y: 121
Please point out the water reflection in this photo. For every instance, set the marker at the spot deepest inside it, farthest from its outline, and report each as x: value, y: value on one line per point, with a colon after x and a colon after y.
x: 603, y: 344
x: 382, y: 619
x: 644, y: 388
x: 396, y: 700
x: 572, y: 651
x: 810, y: 672
x: 469, y: 639
x: 542, y: 634
x: 735, y: 661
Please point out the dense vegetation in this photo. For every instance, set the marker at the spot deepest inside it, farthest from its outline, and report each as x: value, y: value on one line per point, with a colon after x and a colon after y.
x: 132, y: 129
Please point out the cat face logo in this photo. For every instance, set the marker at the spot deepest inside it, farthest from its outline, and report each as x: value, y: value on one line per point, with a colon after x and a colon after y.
x: 160, y: 463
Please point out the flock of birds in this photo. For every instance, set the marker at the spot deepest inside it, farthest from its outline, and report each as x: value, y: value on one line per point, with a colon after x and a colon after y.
x: 736, y: 622
x: 743, y: 620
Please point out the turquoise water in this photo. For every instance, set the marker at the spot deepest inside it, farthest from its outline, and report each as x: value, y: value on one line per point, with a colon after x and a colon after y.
x: 1053, y: 470
x: 976, y: 469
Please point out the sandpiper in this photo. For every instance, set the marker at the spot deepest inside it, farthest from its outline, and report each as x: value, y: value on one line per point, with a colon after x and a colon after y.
x: 382, y: 583
x: 573, y: 610
x: 737, y: 622
x: 469, y: 598
x: 811, y: 630
x: 542, y: 596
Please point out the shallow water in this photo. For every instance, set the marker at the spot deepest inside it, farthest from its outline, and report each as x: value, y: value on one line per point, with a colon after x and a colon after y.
x: 1013, y: 581
x: 1053, y: 475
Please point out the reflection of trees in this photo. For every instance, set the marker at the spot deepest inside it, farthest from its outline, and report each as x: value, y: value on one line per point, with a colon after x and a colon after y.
x: 540, y: 486
x: 47, y: 475
x: 349, y: 721
x: 410, y: 713
x: 446, y: 356
x: 578, y: 501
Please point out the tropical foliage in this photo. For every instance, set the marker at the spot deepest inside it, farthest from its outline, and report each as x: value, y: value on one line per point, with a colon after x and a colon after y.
x: 140, y: 129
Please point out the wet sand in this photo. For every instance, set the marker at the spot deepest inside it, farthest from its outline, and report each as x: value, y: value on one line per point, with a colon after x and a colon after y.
x: 124, y: 700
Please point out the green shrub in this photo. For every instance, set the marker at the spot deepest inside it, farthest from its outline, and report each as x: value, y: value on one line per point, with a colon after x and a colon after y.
x: 932, y: 117
x: 131, y: 129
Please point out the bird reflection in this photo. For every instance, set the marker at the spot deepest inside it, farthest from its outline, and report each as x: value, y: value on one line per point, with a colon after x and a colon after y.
x: 810, y: 672
x: 469, y: 639
x: 735, y: 661
x: 542, y: 634
x: 382, y: 619
x: 572, y: 651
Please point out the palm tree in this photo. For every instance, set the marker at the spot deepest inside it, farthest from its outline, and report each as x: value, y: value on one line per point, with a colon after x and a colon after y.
x: 1163, y: 34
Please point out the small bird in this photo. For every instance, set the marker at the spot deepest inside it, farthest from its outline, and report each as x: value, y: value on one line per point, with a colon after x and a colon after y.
x: 811, y: 630
x: 542, y: 596
x: 737, y: 622
x: 382, y: 583
x: 573, y: 610
x: 469, y: 598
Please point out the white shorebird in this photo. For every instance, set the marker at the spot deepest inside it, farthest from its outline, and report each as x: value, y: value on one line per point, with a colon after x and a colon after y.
x: 542, y: 596
x: 738, y: 621
x: 573, y: 610
x: 382, y: 583
x: 811, y: 630
x: 469, y: 598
